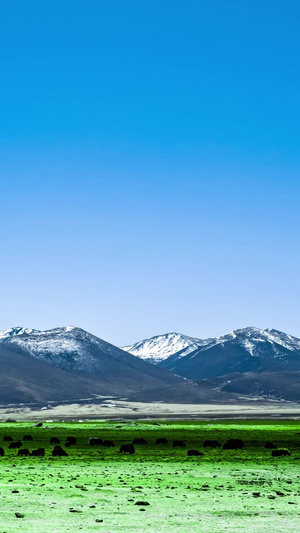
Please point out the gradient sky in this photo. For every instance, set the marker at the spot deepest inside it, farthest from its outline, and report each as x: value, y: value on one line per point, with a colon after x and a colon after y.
x: 149, y: 166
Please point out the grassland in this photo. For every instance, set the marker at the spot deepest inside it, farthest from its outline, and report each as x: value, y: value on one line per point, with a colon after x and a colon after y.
x: 97, y: 489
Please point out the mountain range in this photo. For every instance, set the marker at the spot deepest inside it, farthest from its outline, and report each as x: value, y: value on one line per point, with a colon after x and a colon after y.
x: 248, y: 361
x: 69, y: 363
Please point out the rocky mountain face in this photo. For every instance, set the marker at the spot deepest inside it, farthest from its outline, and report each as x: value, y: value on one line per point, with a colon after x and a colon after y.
x: 248, y: 361
x: 70, y: 363
x: 242, y: 350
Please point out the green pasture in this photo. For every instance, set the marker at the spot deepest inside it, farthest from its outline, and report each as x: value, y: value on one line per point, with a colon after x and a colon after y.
x: 99, y: 489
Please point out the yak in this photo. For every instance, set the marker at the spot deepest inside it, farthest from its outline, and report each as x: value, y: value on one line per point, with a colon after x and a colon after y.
x: 15, y: 444
x: 177, y: 443
x: 71, y: 440
x: 54, y: 440
x: 95, y: 441
x: 1, y: 452
x: 39, y: 452
x: 194, y: 452
x: 108, y: 443
x: 233, y: 444
x: 127, y: 448
x: 139, y: 441
x: 58, y: 452
x: 27, y: 437
x: 7, y: 438
x: 281, y: 452
x: 23, y: 451
x: 161, y: 440
x: 211, y: 444
x: 270, y: 446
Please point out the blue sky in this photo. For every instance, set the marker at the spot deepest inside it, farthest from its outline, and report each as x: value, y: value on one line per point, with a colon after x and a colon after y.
x: 149, y: 166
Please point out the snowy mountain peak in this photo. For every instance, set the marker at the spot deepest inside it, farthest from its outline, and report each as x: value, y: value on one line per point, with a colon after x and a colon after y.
x: 160, y: 347
x: 17, y: 330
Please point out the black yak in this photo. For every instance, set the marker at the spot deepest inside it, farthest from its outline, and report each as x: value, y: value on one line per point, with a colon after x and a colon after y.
x: 39, y: 452
x: 139, y: 441
x: 95, y: 441
x: 194, y: 452
x: 54, y: 440
x: 23, y: 451
x: 233, y: 444
x: 282, y: 452
x: 211, y: 444
x: 127, y: 448
x: 178, y: 443
x: 27, y: 437
x: 58, y: 452
x: 15, y: 444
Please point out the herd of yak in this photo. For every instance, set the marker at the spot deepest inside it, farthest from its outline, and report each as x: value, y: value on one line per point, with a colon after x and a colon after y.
x: 58, y: 451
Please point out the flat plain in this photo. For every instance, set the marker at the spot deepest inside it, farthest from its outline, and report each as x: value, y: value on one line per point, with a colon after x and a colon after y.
x: 158, y: 488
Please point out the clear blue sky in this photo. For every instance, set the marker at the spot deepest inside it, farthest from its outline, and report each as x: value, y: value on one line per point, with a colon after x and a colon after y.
x: 149, y: 166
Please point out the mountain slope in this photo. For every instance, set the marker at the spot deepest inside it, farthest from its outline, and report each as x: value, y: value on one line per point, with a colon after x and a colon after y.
x: 243, y: 350
x: 70, y: 363
x: 160, y: 347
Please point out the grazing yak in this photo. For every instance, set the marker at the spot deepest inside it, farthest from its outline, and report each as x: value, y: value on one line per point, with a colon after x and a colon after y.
x: 194, y: 452
x: 54, y: 440
x: 108, y: 444
x: 127, y: 448
x: 233, y: 444
x: 211, y: 444
x: 139, y: 441
x: 71, y: 440
x: 58, y: 452
x: 161, y: 440
x: 1, y: 452
x: 95, y: 441
x: 270, y: 446
x: 27, y: 437
x: 178, y: 443
x: 281, y: 452
x: 15, y: 444
x: 23, y: 451
x: 39, y: 452
x: 7, y: 438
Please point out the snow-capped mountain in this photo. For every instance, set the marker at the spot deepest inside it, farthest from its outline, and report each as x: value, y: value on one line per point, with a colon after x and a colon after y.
x: 243, y: 350
x: 158, y: 348
x: 69, y: 363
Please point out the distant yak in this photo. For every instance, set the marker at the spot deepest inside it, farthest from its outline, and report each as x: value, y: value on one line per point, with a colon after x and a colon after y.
x: 139, y: 441
x: 39, y: 452
x: 58, y: 452
x: 211, y: 444
x: 95, y: 441
x: 71, y: 440
x: 27, y: 437
x: 177, y: 443
x: 23, y: 451
x: 270, y: 446
x: 281, y: 452
x: 194, y: 452
x: 54, y: 440
x: 161, y: 440
x: 15, y: 444
x: 127, y: 448
x: 108, y: 444
x: 233, y: 444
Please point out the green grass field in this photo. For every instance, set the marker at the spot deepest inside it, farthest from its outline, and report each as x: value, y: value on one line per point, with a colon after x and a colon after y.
x: 97, y: 489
